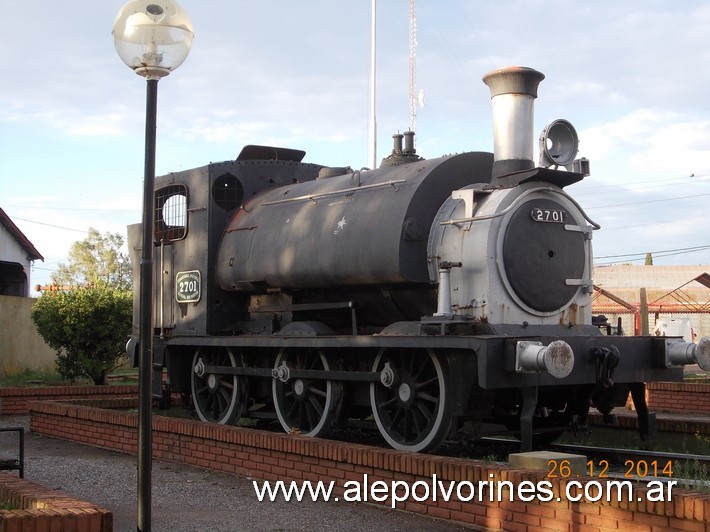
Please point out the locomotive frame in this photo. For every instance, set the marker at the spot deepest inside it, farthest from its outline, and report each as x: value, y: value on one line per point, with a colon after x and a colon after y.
x: 427, y: 294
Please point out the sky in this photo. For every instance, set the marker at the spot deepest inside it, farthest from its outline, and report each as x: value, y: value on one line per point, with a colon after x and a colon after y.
x: 632, y: 77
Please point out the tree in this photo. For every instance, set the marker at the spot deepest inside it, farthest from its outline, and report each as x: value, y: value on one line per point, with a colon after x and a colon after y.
x: 96, y: 259
x: 649, y: 259
x: 87, y: 327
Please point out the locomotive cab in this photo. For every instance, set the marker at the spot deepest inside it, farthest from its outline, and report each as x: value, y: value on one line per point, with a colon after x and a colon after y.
x: 191, y: 210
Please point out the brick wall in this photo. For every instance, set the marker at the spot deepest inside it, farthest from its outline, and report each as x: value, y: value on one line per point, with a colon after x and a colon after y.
x: 40, y: 509
x: 15, y: 401
x: 687, y: 397
x: 272, y: 456
x: 679, y: 397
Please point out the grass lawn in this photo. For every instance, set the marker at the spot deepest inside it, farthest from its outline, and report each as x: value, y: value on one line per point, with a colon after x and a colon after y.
x: 48, y: 377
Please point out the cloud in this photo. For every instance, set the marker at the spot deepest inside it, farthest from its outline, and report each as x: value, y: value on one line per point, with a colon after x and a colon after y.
x: 655, y: 143
x: 70, y: 121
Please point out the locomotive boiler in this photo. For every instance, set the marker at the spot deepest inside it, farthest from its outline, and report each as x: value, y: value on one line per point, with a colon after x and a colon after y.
x: 422, y: 296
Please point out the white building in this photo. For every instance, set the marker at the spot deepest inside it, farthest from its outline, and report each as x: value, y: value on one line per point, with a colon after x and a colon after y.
x: 16, y: 256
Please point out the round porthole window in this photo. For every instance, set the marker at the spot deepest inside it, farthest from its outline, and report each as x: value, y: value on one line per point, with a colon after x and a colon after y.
x: 227, y: 192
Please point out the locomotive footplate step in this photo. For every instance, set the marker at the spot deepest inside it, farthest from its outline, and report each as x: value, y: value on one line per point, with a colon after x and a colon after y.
x: 648, y: 430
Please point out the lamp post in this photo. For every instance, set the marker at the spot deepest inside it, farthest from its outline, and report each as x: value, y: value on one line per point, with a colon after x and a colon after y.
x: 153, y: 37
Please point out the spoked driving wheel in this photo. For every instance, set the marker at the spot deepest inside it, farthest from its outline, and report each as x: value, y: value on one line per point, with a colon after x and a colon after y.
x: 303, y: 405
x: 218, y: 397
x: 409, y: 404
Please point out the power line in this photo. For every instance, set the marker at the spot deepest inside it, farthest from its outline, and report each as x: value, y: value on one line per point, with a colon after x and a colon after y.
x: 591, y: 189
x: 648, y: 224
x: 72, y: 209
x: 51, y: 225
x: 44, y: 269
x: 630, y: 257
x: 661, y: 251
x: 647, y: 201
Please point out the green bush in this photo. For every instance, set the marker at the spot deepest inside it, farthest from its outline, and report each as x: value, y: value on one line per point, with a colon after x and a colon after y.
x: 87, y: 327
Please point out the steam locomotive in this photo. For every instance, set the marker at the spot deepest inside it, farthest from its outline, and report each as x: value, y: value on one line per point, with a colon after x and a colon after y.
x: 424, y: 295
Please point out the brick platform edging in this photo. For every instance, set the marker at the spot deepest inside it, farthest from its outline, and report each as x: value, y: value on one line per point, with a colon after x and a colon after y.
x: 272, y: 456
x: 41, y: 509
x: 15, y: 401
x: 688, y: 397
x: 679, y: 396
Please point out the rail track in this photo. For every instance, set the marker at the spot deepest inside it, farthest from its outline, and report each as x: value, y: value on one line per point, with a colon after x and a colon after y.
x: 689, y: 470
x: 609, y: 461
x: 623, y: 455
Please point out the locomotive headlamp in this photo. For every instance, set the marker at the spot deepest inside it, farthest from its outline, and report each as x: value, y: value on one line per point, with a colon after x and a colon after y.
x: 152, y: 37
x: 558, y: 144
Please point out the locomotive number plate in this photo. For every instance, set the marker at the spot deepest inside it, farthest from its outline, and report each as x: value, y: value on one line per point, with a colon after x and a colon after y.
x: 188, y: 286
x: 549, y: 215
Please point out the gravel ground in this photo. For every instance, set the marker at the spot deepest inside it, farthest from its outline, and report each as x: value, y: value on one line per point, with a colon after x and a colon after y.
x: 186, y: 498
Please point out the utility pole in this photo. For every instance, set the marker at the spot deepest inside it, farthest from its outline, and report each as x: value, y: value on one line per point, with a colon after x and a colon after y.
x: 643, y: 312
x: 372, y: 133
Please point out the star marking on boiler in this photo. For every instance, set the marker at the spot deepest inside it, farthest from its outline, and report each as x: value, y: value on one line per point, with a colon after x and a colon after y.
x: 341, y: 225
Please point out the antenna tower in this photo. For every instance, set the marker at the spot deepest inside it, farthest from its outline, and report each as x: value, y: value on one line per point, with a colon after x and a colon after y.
x: 412, y: 66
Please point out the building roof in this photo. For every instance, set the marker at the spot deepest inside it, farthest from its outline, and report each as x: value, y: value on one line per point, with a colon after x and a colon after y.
x: 650, y: 277
x: 32, y: 252
x: 678, y: 288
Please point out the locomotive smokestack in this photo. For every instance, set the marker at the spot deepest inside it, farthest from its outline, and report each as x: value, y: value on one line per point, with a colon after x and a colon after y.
x: 513, y: 90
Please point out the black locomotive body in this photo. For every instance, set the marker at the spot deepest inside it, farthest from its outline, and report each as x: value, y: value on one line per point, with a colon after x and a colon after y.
x: 426, y: 294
